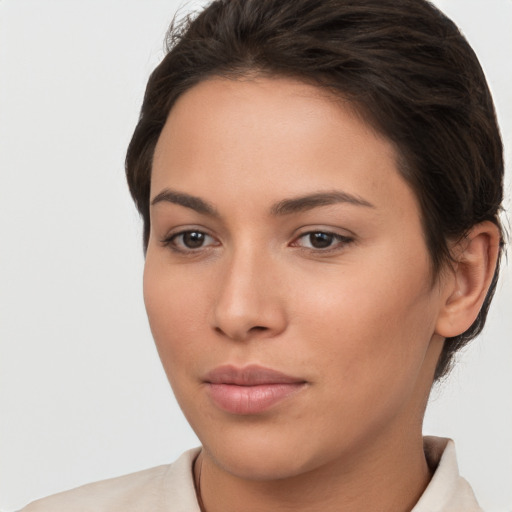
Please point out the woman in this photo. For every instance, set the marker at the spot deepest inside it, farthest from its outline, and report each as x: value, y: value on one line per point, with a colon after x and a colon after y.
x: 320, y: 185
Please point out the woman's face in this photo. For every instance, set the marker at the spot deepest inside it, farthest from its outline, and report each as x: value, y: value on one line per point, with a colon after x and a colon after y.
x: 287, y: 281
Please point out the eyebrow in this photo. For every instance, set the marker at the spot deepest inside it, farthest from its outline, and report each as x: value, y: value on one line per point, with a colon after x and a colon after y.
x: 310, y: 201
x: 284, y: 207
x: 186, y: 200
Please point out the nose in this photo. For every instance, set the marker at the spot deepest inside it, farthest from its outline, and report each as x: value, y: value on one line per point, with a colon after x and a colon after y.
x: 249, y: 302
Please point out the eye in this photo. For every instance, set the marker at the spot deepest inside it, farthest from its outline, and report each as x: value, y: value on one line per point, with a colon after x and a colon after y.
x: 190, y: 240
x: 318, y: 240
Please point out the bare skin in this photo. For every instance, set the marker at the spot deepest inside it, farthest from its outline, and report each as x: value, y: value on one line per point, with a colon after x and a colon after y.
x: 283, y: 236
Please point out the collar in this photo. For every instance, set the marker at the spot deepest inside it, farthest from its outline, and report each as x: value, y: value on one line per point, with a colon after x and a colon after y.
x: 447, y: 490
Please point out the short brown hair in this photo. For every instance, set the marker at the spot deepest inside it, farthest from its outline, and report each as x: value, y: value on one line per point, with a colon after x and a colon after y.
x: 404, y: 66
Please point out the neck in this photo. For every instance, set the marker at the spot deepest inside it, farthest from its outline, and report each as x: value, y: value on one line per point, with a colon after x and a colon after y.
x: 389, y: 476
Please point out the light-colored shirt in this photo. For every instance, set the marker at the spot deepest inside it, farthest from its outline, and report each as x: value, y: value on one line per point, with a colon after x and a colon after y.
x: 170, y: 488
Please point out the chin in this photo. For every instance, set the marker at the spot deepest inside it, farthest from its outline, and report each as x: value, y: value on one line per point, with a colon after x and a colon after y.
x: 261, y: 455
x: 258, y: 464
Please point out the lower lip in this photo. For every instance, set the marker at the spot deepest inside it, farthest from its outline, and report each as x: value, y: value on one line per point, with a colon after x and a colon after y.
x: 250, y: 399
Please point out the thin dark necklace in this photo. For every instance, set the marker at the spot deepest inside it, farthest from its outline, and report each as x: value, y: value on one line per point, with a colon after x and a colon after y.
x: 198, y: 482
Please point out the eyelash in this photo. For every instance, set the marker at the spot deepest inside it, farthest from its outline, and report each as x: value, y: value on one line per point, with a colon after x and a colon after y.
x: 170, y: 242
x: 341, y: 240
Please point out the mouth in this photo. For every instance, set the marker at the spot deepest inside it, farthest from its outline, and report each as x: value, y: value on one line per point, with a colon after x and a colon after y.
x: 251, y: 389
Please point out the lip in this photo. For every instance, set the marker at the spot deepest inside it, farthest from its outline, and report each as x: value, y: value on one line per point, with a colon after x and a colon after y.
x: 249, y: 390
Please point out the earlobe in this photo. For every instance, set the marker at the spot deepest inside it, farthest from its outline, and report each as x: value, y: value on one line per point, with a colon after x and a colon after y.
x: 471, y: 275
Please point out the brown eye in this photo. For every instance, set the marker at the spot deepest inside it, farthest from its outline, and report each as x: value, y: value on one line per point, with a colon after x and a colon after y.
x: 189, y: 241
x: 193, y: 239
x: 320, y: 240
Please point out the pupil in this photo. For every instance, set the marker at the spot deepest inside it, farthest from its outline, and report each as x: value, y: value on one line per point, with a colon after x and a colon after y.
x: 320, y: 240
x: 193, y: 239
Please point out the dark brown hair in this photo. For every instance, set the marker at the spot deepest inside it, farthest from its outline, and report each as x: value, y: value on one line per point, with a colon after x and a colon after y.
x: 404, y: 66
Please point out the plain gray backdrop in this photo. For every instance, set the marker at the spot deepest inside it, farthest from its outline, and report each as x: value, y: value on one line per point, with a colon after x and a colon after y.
x: 82, y: 393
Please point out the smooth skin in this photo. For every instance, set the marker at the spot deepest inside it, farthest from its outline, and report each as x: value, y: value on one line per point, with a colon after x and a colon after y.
x: 335, y: 289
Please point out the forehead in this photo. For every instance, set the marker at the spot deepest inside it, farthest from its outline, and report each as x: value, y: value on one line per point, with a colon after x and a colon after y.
x: 272, y: 137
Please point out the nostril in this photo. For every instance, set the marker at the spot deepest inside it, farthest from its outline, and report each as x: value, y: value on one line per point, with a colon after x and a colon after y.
x: 252, y: 330
x: 258, y: 328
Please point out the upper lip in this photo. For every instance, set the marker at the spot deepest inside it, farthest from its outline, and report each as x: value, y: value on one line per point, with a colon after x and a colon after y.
x: 252, y: 375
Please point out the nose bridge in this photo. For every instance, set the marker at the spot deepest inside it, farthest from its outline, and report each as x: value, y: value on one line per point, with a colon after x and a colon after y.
x: 248, y: 301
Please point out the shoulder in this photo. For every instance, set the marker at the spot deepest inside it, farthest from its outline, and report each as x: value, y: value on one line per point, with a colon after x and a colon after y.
x: 169, y: 487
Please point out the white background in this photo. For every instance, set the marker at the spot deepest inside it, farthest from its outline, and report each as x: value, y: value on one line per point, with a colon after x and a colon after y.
x: 82, y: 394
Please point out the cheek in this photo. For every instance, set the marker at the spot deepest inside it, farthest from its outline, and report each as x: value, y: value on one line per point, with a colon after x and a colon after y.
x: 175, y: 308
x: 370, y: 327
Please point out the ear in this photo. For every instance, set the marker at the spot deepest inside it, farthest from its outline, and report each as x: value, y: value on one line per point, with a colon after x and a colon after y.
x: 467, y: 282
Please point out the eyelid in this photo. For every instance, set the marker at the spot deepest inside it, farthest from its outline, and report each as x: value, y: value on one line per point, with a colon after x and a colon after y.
x: 169, y: 238
x: 342, y: 240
